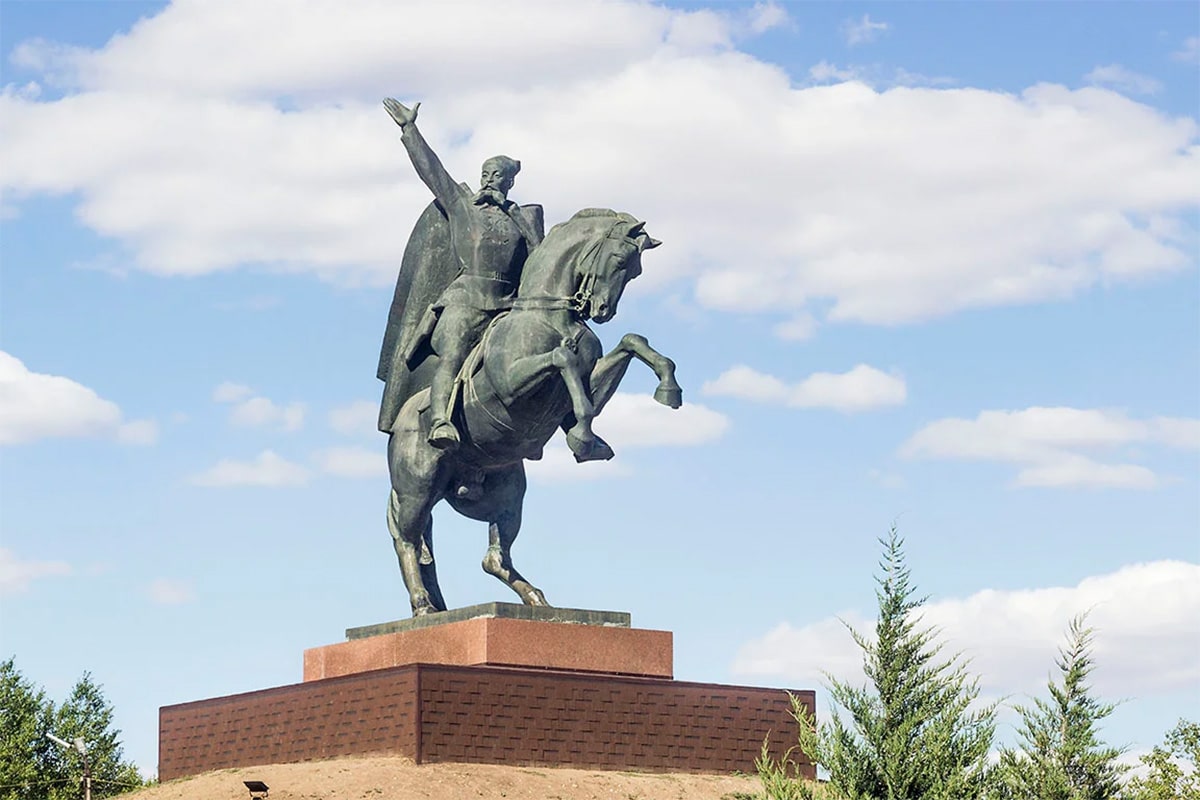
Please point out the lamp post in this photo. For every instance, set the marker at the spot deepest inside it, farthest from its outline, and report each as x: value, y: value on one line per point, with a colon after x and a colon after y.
x: 81, y: 747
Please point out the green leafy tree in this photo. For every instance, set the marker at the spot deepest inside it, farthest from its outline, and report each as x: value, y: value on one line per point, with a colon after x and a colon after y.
x: 912, y: 734
x: 1173, y: 772
x: 26, y: 755
x: 32, y: 767
x: 1061, y: 756
x: 88, y: 715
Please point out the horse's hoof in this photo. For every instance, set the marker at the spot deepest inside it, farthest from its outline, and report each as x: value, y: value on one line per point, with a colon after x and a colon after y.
x: 530, y: 595
x: 669, y: 394
x: 580, y: 446
x: 601, y: 451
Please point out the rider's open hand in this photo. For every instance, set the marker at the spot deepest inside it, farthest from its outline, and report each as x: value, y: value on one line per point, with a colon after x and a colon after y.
x: 402, y: 114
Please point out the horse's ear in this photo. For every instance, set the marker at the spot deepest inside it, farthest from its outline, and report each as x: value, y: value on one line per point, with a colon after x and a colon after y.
x: 635, y: 230
x: 650, y: 243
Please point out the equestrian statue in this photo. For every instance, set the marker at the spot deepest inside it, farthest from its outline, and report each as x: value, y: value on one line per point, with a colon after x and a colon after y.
x: 487, y: 353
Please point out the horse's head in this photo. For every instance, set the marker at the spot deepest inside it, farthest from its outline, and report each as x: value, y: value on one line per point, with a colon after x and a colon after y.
x: 611, y: 260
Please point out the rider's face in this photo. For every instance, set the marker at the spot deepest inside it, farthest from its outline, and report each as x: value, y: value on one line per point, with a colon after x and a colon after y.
x: 494, y: 176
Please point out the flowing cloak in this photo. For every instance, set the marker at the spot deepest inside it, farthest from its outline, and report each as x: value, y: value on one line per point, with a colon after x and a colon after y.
x: 406, y: 360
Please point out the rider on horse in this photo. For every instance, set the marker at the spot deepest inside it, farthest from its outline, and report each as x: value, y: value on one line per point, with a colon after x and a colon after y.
x: 490, y: 238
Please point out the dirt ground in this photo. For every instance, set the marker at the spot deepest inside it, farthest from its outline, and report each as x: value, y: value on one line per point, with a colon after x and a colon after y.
x: 397, y: 778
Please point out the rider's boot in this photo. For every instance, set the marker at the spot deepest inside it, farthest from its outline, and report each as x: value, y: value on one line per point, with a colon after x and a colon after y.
x: 443, y: 435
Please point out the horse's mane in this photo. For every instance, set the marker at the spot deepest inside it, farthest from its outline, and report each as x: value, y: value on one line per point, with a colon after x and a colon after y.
x: 603, y: 212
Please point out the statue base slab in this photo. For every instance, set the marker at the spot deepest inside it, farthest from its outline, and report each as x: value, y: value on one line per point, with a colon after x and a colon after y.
x: 500, y: 635
x: 486, y: 715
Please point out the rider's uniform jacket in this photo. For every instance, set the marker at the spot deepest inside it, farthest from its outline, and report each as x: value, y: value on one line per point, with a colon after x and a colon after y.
x: 488, y: 241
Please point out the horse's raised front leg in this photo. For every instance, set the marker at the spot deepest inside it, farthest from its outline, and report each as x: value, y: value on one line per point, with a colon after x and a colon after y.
x: 580, y: 438
x: 610, y: 369
x: 507, y: 491
x: 564, y: 359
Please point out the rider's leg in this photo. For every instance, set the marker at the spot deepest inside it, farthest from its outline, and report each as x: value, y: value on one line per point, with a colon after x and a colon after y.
x: 457, y: 331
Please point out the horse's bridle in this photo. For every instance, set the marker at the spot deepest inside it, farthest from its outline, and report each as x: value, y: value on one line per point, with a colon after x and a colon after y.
x: 593, y: 257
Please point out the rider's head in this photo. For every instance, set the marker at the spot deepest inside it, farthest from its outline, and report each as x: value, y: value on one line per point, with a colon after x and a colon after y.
x: 499, y: 172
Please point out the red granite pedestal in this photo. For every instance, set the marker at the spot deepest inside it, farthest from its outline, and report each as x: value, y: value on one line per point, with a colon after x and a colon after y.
x: 499, y: 642
x: 490, y: 689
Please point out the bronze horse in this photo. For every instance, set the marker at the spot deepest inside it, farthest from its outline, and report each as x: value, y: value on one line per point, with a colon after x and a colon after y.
x: 539, y: 367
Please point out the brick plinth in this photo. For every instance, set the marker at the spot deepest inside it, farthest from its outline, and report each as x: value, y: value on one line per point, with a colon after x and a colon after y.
x: 432, y: 713
x: 495, y: 641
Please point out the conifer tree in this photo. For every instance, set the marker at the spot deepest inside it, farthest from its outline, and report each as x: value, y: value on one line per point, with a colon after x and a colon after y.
x: 1061, y: 756
x: 912, y: 734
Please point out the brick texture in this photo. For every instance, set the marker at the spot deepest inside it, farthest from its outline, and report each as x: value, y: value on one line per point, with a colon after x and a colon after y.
x: 372, y: 712
x: 484, y: 715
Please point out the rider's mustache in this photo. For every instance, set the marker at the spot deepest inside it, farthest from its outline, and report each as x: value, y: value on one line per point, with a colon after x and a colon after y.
x: 488, y: 194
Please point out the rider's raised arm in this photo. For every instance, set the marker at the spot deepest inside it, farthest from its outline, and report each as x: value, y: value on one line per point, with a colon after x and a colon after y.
x: 429, y: 168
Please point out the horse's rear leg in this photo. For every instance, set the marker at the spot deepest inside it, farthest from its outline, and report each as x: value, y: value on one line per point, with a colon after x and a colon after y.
x: 410, y: 527
x: 508, y: 490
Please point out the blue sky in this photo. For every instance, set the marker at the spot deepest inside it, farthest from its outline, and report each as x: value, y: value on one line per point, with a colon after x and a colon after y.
x: 924, y: 263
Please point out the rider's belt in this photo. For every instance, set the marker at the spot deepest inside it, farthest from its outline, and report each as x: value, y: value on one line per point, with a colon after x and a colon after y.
x: 492, y: 276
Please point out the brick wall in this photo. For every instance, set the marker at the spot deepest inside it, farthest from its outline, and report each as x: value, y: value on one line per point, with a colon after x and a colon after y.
x: 372, y: 712
x: 484, y: 715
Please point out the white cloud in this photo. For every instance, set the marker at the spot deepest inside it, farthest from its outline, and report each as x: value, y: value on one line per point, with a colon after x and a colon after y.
x: 251, y: 410
x: 166, y: 592
x: 229, y: 392
x: 863, y: 30
x: 876, y: 76
x: 141, y: 431
x: 1144, y: 614
x: 1051, y: 445
x: 260, y: 412
x: 635, y: 420
x: 36, y: 406
x: 359, y: 418
x: 629, y: 422
x: 880, y: 206
x: 1123, y: 80
x: 765, y: 16
x: 1189, y: 53
x: 267, y: 469
x: 826, y: 72
x: 16, y: 575
x: 888, y: 480
x: 353, y: 462
x: 860, y: 389
x: 797, y: 329
x: 558, y: 465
